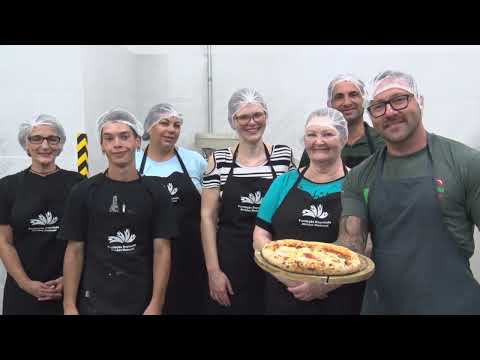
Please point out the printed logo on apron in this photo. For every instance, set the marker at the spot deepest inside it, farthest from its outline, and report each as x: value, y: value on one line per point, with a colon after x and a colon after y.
x: 317, y: 214
x: 122, y: 242
x: 44, y: 223
x: 255, y: 200
x: 172, y: 191
x: 439, y: 188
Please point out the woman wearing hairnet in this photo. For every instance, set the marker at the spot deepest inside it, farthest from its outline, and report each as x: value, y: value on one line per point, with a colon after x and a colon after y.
x: 305, y: 204
x: 181, y: 171
x: 233, y: 187
x: 31, y: 208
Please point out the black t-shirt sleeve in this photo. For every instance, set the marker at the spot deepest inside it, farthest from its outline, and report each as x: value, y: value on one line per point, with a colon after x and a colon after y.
x: 5, y: 202
x: 164, y: 222
x: 74, y: 222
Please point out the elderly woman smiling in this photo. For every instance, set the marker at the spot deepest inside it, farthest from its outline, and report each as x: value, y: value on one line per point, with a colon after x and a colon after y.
x: 305, y: 204
x: 31, y: 208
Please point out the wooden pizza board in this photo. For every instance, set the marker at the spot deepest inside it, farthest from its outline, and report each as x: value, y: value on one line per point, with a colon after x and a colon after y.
x: 367, y: 272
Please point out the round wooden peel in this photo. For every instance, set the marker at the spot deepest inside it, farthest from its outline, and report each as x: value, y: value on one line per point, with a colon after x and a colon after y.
x: 367, y: 272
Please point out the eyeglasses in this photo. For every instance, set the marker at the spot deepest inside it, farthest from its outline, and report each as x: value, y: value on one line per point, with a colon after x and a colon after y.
x: 244, y: 119
x: 38, y: 139
x: 397, y: 103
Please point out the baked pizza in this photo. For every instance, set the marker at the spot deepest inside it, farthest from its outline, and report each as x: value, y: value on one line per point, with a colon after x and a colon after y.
x: 312, y: 258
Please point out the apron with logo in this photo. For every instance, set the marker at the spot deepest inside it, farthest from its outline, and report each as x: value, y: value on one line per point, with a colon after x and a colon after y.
x: 302, y: 217
x: 40, y: 252
x: 418, y: 266
x: 119, y: 278
x: 240, y: 202
x: 187, y: 285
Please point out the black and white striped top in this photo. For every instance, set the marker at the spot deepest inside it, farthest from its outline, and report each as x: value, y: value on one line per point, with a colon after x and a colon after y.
x: 281, y: 159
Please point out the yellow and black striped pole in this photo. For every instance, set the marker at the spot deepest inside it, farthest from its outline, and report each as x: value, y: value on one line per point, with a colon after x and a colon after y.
x: 82, y: 154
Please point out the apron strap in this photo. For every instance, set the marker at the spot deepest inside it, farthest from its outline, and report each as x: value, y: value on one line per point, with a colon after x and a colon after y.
x: 295, y: 184
x: 383, y: 156
x: 267, y: 154
x: 235, y: 154
x: 300, y: 176
x: 371, y: 146
x: 181, y: 162
x: 144, y: 160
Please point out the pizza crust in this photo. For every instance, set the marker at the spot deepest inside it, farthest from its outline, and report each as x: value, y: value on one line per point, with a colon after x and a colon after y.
x: 312, y: 258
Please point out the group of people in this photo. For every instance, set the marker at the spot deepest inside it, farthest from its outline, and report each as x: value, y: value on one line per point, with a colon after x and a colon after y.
x: 163, y: 231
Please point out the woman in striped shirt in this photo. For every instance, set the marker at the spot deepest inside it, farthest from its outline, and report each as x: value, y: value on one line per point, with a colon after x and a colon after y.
x: 233, y: 187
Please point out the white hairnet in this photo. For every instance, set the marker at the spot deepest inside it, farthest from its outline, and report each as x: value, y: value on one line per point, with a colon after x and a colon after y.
x: 120, y: 116
x: 26, y: 128
x: 394, y: 79
x: 350, y: 78
x: 156, y: 113
x: 243, y: 97
x: 331, y: 118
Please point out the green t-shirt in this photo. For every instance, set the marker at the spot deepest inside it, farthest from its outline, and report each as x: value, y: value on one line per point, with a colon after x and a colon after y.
x: 456, y: 164
x: 361, y: 149
x: 280, y: 187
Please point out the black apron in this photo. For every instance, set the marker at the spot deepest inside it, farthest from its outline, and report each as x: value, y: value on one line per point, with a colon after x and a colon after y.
x: 352, y: 161
x: 238, y: 210
x: 187, y: 286
x: 119, y: 279
x: 40, y: 252
x: 304, y: 218
x: 418, y: 266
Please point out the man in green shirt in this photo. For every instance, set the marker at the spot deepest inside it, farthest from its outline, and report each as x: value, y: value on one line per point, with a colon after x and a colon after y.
x: 346, y: 93
x: 419, y: 198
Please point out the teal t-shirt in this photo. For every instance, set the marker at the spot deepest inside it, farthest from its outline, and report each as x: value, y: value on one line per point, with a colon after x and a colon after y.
x: 281, y: 186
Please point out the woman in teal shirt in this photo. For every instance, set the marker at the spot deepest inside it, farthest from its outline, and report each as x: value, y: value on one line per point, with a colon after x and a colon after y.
x: 305, y: 204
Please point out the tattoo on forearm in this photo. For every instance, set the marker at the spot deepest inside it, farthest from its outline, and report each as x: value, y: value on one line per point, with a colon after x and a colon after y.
x: 353, y: 233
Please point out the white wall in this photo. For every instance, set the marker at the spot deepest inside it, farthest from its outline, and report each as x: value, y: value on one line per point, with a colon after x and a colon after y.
x: 175, y: 75
x: 109, y: 81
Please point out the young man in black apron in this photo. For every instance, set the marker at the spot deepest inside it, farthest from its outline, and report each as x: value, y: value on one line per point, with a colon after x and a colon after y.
x: 347, y: 94
x: 181, y: 175
x: 420, y: 199
x: 118, y: 226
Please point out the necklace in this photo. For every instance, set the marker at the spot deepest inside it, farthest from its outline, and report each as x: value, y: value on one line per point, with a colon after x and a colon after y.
x: 45, y: 173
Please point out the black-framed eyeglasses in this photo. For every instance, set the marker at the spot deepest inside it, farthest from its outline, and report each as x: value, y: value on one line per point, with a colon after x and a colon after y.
x: 38, y: 139
x: 397, y: 103
x: 244, y: 119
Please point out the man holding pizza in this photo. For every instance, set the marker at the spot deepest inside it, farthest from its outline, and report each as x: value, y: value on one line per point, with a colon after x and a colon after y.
x: 420, y: 199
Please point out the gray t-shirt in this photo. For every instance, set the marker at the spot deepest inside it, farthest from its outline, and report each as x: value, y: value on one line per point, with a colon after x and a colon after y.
x: 456, y: 168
